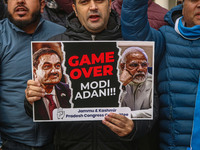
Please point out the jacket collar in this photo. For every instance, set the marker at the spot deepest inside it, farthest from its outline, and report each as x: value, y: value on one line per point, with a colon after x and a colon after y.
x: 189, y: 33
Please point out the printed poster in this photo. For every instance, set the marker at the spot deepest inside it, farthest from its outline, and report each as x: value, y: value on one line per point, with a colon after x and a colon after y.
x: 88, y: 80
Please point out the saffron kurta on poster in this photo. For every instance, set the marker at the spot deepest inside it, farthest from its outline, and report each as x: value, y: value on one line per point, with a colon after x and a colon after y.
x: 88, y: 80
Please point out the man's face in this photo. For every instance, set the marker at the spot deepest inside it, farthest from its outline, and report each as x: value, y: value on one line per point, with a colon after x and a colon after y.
x: 25, y: 12
x: 49, y: 69
x: 191, y: 12
x: 93, y: 14
x: 135, y: 69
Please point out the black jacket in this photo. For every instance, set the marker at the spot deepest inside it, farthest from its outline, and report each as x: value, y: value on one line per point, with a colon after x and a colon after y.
x: 75, y: 31
x: 93, y: 135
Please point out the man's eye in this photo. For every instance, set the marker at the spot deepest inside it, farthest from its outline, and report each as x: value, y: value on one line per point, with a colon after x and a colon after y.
x: 58, y: 66
x: 45, y: 67
x: 144, y: 64
x: 83, y: 1
x: 134, y: 65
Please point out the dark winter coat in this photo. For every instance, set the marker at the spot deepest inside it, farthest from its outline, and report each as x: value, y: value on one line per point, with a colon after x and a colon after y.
x: 93, y: 135
x: 75, y: 31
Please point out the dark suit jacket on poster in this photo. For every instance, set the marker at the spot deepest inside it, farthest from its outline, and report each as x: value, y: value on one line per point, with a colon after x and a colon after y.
x: 63, y: 94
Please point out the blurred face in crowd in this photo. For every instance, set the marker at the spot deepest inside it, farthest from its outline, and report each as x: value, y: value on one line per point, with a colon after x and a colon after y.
x: 191, y: 12
x: 48, y: 71
x: 135, y: 68
x: 23, y: 13
x: 93, y: 14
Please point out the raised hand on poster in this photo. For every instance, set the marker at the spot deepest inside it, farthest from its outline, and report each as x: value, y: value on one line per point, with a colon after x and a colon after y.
x: 127, y: 75
x: 34, y: 91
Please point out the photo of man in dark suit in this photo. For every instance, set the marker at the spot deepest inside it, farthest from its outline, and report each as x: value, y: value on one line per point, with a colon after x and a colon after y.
x: 47, y: 69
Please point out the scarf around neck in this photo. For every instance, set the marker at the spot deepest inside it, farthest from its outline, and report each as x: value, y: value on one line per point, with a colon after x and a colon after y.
x: 190, y: 33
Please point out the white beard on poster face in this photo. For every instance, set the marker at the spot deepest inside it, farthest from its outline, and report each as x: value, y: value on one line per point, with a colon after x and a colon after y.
x: 139, y: 77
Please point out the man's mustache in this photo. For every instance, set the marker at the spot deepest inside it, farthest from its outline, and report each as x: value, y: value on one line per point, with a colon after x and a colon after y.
x: 53, y: 74
x: 139, y: 74
x: 93, y: 13
x: 20, y: 6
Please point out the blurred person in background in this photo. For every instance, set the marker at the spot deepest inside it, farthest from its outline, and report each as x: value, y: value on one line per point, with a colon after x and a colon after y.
x: 155, y: 12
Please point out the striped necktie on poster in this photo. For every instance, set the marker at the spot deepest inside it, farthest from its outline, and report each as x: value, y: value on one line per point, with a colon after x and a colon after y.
x: 52, y: 105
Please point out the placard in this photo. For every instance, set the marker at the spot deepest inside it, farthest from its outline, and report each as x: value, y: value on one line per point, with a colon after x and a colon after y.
x: 88, y: 80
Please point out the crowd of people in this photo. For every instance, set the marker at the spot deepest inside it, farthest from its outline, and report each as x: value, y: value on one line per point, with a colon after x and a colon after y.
x: 176, y: 35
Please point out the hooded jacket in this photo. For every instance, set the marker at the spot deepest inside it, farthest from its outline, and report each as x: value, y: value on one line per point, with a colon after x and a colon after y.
x: 89, y: 135
x: 178, y: 72
x: 75, y: 31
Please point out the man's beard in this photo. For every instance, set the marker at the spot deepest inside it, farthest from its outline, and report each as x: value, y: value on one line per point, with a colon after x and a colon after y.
x: 138, y: 78
x: 23, y: 23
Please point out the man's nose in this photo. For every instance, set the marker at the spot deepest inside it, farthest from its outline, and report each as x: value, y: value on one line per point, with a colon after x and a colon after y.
x: 21, y: 1
x: 93, y: 5
x: 53, y: 70
x: 140, y: 67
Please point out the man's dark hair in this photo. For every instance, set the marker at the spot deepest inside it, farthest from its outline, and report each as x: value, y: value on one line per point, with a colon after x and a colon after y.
x: 41, y: 52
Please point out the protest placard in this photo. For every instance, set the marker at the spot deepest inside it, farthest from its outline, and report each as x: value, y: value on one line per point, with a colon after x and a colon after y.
x: 87, y: 80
